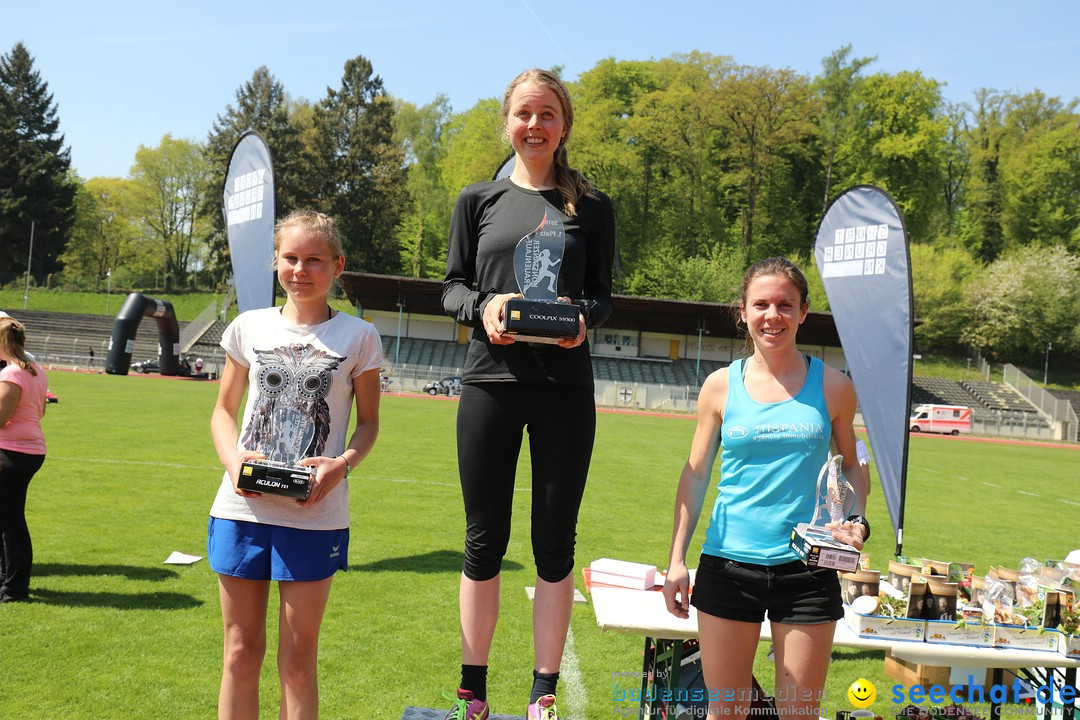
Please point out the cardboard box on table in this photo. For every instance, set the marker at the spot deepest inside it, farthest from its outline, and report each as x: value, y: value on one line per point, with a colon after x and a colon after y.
x: 957, y: 633
x: 1067, y: 645
x: 882, y: 627
x: 908, y: 673
x: 1024, y: 637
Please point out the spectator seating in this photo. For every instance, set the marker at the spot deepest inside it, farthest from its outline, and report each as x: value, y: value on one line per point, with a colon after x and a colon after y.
x: 998, y: 396
x: 66, y: 338
x: 990, y: 402
x: 428, y: 353
x: 446, y: 354
x: 940, y: 391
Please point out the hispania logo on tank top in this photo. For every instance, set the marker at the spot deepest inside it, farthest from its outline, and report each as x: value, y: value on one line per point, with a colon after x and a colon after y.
x: 785, y: 431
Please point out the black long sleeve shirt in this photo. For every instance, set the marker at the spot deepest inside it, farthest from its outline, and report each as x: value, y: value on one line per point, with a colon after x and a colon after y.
x: 488, y: 221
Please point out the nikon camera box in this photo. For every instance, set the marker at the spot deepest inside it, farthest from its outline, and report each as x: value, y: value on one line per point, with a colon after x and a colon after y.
x: 541, y: 321
x: 276, y: 478
x: 817, y: 548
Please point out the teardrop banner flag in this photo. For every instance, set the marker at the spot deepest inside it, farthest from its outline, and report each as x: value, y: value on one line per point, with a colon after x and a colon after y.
x: 248, y: 207
x: 862, y: 255
x: 507, y: 167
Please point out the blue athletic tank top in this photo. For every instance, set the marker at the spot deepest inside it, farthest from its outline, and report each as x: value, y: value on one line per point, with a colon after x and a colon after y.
x: 770, y: 457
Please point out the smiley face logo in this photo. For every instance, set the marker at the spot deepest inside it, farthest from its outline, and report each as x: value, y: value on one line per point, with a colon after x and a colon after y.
x: 862, y: 693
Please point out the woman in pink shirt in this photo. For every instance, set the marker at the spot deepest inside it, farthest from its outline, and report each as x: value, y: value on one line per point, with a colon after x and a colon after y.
x: 22, y: 451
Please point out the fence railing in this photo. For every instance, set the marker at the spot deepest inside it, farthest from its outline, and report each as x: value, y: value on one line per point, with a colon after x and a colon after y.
x: 195, y: 329
x: 1058, y: 411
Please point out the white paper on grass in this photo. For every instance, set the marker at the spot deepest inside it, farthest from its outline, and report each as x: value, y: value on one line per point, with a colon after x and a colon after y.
x: 179, y: 558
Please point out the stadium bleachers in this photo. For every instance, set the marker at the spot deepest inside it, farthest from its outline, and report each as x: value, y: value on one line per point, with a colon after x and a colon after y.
x: 990, y: 402
x: 940, y: 391
x: 428, y: 353
x: 998, y: 396
x: 451, y: 355
x: 66, y: 338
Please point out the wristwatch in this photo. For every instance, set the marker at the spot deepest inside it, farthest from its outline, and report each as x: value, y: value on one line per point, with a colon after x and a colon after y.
x: 862, y: 521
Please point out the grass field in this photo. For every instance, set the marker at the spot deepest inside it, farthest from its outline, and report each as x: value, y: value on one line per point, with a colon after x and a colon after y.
x: 114, y: 633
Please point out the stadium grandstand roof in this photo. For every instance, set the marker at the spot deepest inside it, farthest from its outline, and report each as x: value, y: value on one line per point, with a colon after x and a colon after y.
x: 677, y: 317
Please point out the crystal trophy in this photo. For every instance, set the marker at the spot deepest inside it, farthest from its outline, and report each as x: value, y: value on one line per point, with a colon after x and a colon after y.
x: 539, y: 316
x: 813, y: 541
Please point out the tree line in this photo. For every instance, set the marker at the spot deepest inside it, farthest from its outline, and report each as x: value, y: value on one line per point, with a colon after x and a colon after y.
x: 711, y: 166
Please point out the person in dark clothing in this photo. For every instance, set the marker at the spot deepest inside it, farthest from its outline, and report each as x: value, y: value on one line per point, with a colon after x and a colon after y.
x: 510, y: 385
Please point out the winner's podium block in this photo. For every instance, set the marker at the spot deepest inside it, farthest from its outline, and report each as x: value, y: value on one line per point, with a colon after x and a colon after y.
x: 419, y: 713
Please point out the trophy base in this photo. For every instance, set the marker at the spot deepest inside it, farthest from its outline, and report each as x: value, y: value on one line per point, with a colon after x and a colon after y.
x: 274, y: 478
x: 540, y: 320
x: 816, y: 547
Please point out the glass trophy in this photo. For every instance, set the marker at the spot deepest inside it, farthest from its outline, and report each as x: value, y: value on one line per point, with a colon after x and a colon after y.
x: 813, y: 541
x: 539, y: 316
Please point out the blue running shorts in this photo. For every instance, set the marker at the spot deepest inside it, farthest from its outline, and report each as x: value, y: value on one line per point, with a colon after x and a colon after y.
x: 270, y: 552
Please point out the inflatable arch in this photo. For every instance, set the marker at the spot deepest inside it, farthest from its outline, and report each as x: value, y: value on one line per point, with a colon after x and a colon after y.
x: 136, y: 307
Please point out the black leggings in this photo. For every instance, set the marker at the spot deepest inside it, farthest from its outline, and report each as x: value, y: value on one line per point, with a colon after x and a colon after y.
x: 16, y: 552
x: 562, y: 424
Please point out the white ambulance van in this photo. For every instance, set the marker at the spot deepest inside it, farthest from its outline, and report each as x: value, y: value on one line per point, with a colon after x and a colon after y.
x: 946, y: 419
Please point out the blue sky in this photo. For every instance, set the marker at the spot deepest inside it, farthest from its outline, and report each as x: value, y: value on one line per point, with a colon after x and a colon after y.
x: 125, y: 74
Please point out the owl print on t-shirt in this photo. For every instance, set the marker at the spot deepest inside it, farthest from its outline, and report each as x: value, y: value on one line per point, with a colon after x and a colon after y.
x: 290, y: 418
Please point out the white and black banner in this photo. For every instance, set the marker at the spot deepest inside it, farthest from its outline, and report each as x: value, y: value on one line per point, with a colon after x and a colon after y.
x: 248, y: 207
x: 862, y: 255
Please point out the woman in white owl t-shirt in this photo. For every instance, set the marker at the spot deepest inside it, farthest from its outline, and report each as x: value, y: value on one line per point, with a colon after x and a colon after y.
x: 303, y: 367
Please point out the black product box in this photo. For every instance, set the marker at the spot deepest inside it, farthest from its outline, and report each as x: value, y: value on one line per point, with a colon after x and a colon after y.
x: 817, y: 548
x: 540, y: 321
x: 276, y: 478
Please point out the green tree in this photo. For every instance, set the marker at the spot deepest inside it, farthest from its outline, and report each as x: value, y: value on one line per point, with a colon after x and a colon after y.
x: 423, y: 230
x: 36, y: 186
x: 1041, y: 171
x: 360, y: 167
x: 898, y: 144
x: 769, y: 120
x: 835, y: 87
x: 1024, y: 300
x: 676, y: 134
x: 606, y: 146
x: 985, y: 194
x: 957, y: 164
x: 104, y: 238
x: 475, y: 146
x: 169, y: 184
x: 939, y: 276
x: 261, y: 105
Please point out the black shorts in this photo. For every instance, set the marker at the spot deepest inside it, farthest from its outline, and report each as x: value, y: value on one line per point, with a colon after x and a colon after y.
x: 791, y: 593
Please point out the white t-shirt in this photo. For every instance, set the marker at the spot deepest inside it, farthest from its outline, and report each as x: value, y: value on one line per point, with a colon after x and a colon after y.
x: 299, y: 401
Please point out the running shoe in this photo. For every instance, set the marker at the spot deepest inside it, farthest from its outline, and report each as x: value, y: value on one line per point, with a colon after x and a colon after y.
x: 466, y: 706
x: 542, y: 709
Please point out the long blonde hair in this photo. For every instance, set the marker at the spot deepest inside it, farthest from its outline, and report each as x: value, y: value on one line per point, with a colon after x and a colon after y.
x: 571, y: 184
x: 12, y: 342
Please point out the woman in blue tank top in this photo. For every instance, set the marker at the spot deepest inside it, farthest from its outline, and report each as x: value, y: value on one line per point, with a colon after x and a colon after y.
x: 773, y: 418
